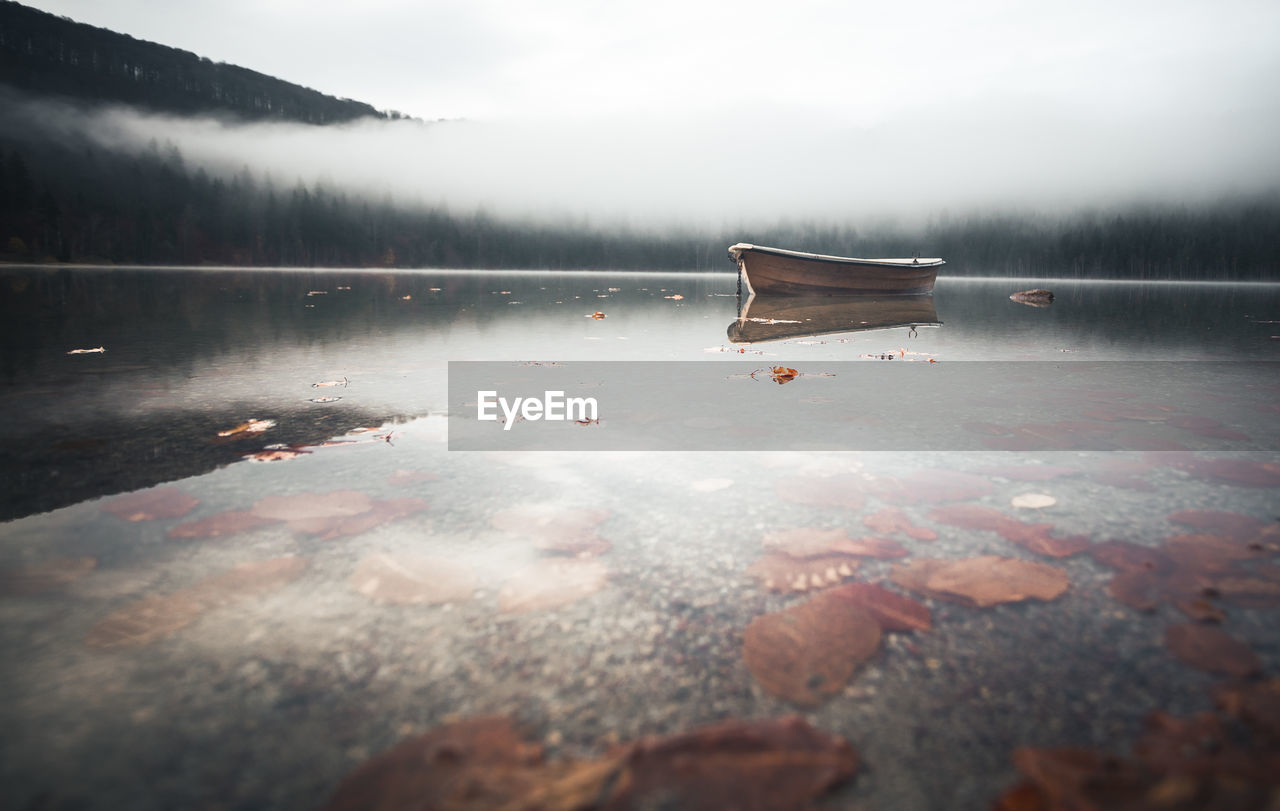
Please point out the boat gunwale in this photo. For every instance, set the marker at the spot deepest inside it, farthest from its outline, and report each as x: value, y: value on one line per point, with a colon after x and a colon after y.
x: 735, y: 251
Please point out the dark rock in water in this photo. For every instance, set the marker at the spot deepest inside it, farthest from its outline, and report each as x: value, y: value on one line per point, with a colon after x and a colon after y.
x: 1038, y: 297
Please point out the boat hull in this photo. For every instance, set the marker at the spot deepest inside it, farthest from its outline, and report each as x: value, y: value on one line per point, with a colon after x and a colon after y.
x: 779, y: 318
x: 775, y: 272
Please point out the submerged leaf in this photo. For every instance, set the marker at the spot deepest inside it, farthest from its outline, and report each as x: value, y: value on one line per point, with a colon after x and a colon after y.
x: 1209, y: 648
x: 932, y: 485
x: 152, y: 618
x: 482, y: 764
x: 413, y: 580
x: 1233, y: 525
x: 1035, y: 537
x: 379, y: 513
x: 982, y: 581
x: 808, y: 652
x: 148, y: 505
x: 1243, y: 472
x: 46, y: 576
x: 823, y: 491
x: 781, y: 572
x: 216, y: 526
x: 313, y: 505
x: 807, y: 542
x: 552, y: 583
x: 893, y: 611
x: 554, y: 529
x: 892, y: 520
x: 769, y: 764
x: 1130, y: 557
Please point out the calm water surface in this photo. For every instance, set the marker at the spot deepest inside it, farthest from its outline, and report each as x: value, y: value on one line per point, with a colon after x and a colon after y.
x: 370, y: 584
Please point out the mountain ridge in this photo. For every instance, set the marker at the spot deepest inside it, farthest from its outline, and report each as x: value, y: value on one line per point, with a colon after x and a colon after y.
x: 47, y: 54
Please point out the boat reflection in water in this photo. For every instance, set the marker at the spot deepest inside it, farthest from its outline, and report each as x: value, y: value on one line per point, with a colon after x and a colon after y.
x: 777, y: 318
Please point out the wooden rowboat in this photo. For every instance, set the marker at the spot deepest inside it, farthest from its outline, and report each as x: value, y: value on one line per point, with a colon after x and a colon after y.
x: 778, y: 271
x: 778, y: 318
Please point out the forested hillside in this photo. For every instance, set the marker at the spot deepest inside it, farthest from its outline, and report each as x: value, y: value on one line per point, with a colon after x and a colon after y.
x: 79, y: 204
x: 66, y: 198
x: 45, y: 54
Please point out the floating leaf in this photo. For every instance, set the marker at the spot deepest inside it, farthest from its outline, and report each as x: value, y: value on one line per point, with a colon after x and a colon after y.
x: 217, y: 526
x: 413, y: 580
x: 982, y: 581
x: 249, y: 428
x: 330, y: 384
x: 597, y: 315
x: 891, y: 520
x: 148, y: 505
x: 552, y: 583
x: 313, y: 505
x: 823, y: 491
x: 276, y: 454
x: 781, y: 572
x: 46, y: 576
x: 893, y: 611
x: 1209, y: 648
x: 782, y: 374
x: 808, y: 652
x: 1033, y: 501
x: 152, y: 618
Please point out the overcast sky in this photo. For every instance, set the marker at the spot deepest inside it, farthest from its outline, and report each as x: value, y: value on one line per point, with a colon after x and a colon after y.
x: 995, y: 98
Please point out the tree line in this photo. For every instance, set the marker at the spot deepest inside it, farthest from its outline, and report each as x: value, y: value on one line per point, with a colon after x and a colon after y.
x: 50, y: 55
x: 67, y: 203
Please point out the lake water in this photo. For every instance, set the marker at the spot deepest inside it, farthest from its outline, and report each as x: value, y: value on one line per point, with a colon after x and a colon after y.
x: 242, y: 632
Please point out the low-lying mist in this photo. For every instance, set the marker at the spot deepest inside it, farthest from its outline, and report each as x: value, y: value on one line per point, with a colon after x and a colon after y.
x: 739, y: 166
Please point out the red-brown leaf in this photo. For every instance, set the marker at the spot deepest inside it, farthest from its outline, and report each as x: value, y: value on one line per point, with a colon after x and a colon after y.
x: 982, y: 581
x: 148, y: 505
x: 893, y: 611
x: 217, y: 526
x: 891, y: 520
x: 1130, y: 557
x: 413, y: 580
x: 1209, y: 648
x: 781, y: 572
x: 152, y: 618
x: 808, y: 652
x: 823, y: 491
